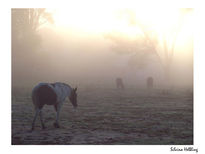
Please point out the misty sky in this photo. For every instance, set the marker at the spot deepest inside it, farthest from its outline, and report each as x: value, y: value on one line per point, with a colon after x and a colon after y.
x: 75, y: 50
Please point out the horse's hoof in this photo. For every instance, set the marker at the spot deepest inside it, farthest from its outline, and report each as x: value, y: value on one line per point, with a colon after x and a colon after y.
x: 56, y: 125
x: 30, y: 131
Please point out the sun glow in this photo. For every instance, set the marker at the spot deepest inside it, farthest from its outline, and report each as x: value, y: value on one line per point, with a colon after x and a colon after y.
x: 103, y: 19
x: 86, y: 19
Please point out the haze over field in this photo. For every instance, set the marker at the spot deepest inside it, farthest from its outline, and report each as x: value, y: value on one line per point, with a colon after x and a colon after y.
x: 133, y: 68
x: 96, y: 45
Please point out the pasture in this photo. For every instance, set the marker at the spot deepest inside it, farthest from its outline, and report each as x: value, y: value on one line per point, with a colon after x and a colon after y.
x: 108, y: 116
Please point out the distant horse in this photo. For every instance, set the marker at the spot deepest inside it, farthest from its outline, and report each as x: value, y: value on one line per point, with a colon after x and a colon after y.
x: 150, y: 82
x: 52, y: 94
x: 119, y: 83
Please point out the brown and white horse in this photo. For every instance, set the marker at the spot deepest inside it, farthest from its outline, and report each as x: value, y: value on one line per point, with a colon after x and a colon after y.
x: 52, y: 94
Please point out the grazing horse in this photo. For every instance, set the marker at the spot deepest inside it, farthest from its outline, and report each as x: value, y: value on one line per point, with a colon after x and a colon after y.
x: 52, y: 94
x: 119, y: 83
x: 150, y: 82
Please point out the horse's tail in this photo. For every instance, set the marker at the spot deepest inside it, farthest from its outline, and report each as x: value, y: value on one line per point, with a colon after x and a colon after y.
x: 35, y: 98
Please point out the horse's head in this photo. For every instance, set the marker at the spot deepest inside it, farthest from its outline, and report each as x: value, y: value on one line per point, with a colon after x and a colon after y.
x: 73, y: 97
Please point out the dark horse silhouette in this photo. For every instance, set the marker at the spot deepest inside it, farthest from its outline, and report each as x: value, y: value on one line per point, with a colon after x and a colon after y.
x: 119, y: 83
x: 150, y: 82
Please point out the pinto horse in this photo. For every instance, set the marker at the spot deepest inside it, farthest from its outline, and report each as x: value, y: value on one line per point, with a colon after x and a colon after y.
x: 52, y: 94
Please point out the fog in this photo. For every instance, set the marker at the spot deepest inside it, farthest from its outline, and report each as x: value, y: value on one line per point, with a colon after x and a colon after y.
x: 133, y: 69
x: 81, y: 58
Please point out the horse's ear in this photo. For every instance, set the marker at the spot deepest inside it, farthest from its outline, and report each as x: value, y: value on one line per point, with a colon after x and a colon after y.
x: 75, y: 89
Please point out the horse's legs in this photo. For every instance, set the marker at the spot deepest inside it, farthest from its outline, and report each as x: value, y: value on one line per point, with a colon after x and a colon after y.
x: 34, y: 119
x: 122, y: 85
x: 55, y: 106
x: 41, y: 118
x: 56, y: 124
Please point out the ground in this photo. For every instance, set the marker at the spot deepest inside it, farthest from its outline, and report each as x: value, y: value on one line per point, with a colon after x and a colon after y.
x: 109, y: 116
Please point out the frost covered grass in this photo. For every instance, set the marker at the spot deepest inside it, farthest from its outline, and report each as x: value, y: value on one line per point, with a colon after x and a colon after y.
x: 109, y: 116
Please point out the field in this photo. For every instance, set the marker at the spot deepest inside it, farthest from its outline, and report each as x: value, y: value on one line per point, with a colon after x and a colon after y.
x: 109, y: 117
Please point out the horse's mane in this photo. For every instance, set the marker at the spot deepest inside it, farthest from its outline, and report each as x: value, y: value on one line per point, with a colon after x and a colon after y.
x: 67, y: 85
x: 53, y: 84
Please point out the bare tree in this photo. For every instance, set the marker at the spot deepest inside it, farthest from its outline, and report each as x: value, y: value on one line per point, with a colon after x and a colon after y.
x: 136, y: 48
x: 162, y: 47
x: 25, y: 24
x: 26, y: 40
